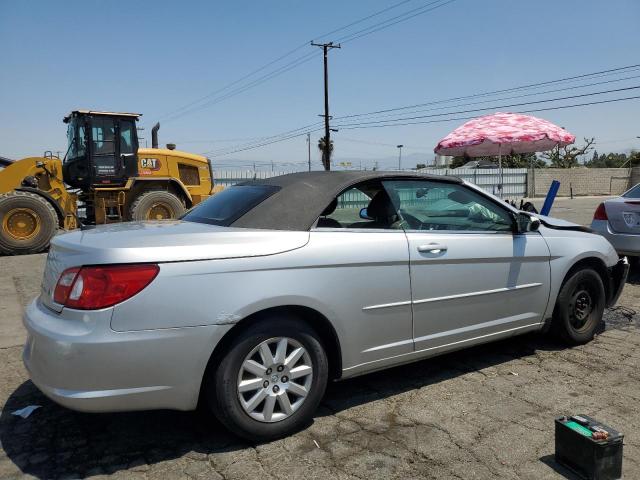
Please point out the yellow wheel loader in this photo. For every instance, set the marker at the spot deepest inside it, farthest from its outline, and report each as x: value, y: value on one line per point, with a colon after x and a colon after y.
x: 103, y: 178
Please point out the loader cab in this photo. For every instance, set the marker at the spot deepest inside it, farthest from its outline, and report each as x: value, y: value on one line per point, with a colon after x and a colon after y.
x: 101, y: 149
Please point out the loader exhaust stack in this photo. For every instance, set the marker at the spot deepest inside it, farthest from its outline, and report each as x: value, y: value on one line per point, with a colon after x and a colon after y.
x: 154, y: 135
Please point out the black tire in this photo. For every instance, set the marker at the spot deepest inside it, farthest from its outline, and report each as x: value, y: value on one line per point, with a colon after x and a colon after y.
x: 222, y: 396
x: 28, y: 222
x: 168, y: 205
x: 579, y: 307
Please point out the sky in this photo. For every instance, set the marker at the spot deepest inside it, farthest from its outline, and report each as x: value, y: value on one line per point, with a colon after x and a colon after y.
x: 156, y: 57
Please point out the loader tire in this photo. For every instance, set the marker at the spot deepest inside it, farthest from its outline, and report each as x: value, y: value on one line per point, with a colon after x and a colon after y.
x: 156, y: 205
x: 28, y: 222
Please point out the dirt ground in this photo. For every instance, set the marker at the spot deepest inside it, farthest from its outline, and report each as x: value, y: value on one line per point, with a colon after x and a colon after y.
x: 482, y: 413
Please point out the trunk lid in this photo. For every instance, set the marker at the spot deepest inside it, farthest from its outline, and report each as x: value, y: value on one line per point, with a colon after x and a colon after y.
x: 158, y: 242
x: 623, y: 214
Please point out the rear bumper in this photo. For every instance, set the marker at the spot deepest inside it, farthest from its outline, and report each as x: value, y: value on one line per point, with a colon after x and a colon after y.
x: 617, y: 279
x: 624, y: 243
x: 77, y: 361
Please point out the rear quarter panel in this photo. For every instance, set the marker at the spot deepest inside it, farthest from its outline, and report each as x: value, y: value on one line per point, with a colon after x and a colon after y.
x: 331, y: 274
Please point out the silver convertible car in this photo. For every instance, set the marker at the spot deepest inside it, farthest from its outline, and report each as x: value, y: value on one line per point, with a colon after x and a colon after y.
x: 268, y: 290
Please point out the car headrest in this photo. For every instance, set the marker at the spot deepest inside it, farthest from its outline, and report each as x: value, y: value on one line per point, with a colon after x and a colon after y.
x: 330, y: 208
x: 381, y: 207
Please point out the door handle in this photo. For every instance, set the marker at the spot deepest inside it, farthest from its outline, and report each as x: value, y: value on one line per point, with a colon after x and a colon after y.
x: 432, y: 248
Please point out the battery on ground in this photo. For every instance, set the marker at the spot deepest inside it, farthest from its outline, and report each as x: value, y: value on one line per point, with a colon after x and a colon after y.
x: 580, y: 446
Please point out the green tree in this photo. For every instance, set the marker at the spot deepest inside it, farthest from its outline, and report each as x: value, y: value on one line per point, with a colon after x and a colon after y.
x: 610, y: 160
x: 420, y: 165
x: 326, y: 152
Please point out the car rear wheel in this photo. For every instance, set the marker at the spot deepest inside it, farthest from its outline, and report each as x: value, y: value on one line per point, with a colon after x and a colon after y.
x: 579, y: 307
x: 270, y: 380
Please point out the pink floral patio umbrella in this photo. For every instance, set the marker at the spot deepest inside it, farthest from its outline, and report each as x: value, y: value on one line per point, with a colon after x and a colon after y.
x: 503, y: 134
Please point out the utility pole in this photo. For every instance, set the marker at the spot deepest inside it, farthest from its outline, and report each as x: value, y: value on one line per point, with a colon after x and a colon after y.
x: 309, y: 148
x: 327, y: 134
x: 400, y: 156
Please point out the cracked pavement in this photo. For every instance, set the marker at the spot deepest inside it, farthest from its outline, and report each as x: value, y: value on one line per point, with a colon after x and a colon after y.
x: 485, y: 412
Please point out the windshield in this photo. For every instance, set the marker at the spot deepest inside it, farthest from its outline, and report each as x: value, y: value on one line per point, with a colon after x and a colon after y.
x: 75, y: 139
x: 227, y: 206
x: 633, y: 193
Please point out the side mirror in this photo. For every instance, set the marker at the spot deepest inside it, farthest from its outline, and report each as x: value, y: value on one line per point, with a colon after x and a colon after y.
x: 527, y: 223
x: 534, y: 224
x: 363, y: 214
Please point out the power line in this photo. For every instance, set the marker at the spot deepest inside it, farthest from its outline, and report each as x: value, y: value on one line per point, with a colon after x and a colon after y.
x: 495, y: 92
x: 197, y: 104
x: 306, y: 128
x: 263, y: 141
x: 279, y: 71
x: 574, y: 87
x: 384, y: 24
x: 380, y: 144
x: 264, y: 144
x: 278, y: 140
x: 282, y: 57
x: 235, y: 82
x: 522, y: 111
x: 379, y: 12
x: 494, y: 107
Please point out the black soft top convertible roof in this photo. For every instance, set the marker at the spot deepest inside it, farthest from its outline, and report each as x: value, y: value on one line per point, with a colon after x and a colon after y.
x: 302, y: 197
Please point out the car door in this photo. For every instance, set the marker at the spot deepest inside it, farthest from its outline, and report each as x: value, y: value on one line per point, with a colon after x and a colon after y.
x: 472, y: 277
x: 365, y: 273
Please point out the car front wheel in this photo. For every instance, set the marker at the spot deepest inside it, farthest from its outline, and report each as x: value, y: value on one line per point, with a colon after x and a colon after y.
x: 579, y: 307
x: 270, y: 381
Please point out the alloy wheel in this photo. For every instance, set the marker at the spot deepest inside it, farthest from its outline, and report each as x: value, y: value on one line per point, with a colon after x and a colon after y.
x: 274, y: 379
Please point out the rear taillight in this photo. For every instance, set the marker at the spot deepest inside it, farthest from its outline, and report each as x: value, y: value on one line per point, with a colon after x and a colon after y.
x: 92, y: 288
x: 600, y: 213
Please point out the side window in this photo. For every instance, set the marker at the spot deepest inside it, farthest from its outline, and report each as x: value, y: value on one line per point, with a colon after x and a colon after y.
x: 126, y: 136
x: 344, y: 210
x: 433, y: 205
x: 102, y: 136
x: 367, y: 205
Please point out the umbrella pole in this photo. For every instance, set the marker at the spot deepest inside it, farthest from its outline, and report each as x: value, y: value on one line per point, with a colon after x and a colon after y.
x: 500, y: 169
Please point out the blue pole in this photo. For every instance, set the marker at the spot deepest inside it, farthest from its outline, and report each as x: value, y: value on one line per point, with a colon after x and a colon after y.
x: 551, y: 196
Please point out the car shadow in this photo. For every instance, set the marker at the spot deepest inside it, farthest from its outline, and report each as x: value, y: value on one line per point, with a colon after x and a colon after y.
x: 55, y: 441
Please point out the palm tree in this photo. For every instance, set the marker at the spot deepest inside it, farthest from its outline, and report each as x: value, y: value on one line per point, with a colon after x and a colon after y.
x: 326, y: 153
